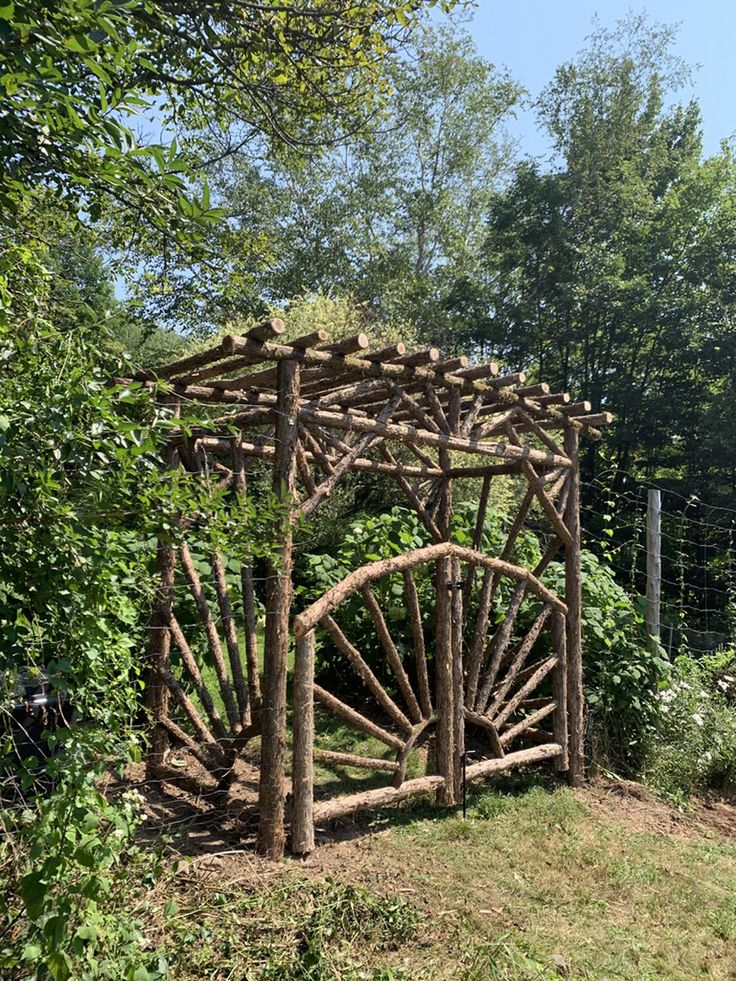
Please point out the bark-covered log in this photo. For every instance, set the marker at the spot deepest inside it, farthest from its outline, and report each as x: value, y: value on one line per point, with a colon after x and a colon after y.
x: 213, y: 639
x: 231, y: 635
x: 355, y: 719
x: 192, y: 669
x: 276, y: 640
x: 302, y: 779
x: 573, y: 597
x: 366, y: 675
x: 359, y: 762
x: 375, y: 570
x: 523, y: 757
x: 529, y: 722
x: 559, y: 687
x: 389, y: 648
x: 519, y: 659
x: 534, y: 681
x: 483, y: 722
x: 417, y: 634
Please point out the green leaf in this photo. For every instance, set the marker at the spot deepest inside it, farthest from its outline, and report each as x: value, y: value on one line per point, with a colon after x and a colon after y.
x: 58, y: 965
x: 33, y: 893
x: 31, y: 953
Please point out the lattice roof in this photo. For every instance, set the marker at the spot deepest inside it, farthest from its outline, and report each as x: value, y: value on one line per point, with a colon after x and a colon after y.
x: 415, y: 399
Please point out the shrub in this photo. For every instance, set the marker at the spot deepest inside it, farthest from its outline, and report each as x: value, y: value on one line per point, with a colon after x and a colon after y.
x: 622, y: 678
x: 693, y: 745
x: 71, y: 874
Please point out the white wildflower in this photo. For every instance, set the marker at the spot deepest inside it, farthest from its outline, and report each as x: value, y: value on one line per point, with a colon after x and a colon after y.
x: 698, y: 719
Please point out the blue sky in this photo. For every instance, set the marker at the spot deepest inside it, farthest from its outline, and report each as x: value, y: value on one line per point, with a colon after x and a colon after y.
x: 532, y: 37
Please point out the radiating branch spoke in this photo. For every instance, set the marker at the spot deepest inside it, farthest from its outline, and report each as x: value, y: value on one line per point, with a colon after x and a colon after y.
x: 365, y: 673
x: 394, y: 658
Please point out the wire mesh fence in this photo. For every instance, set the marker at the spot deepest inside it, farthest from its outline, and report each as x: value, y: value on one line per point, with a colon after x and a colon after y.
x: 698, y: 556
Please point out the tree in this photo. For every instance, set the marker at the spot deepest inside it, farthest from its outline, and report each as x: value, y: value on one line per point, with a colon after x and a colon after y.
x: 75, y: 74
x: 613, y: 273
x: 391, y: 216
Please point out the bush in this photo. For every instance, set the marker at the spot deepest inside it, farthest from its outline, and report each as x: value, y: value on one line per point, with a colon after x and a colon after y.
x: 71, y: 875
x: 84, y: 497
x: 622, y: 678
x: 693, y: 745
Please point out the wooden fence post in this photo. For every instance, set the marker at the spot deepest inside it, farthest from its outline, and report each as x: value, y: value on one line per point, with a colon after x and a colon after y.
x: 302, y: 776
x: 654, y: 567
x: 271, y: 834
x: 159, y: 652
x: 573, y: 599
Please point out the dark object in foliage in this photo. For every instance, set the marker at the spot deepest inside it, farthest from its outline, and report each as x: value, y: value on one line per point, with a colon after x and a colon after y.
x: 32, y: 710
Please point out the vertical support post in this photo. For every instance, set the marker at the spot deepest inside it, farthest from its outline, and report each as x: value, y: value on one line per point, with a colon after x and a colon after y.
x: 559, y: 689
x: 573, y: 599
x: 302, y: 777
x: 250, y: 634
x: 249, y: 603
x: 159, y: 652
x: 654, y: 567
x: 456, y: 608
x: 278, y: 605
x: 450, y: 737
x: 443, y: 667
x: 160, y: 635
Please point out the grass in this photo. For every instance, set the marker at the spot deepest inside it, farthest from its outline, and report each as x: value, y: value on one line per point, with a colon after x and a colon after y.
x: 534, y: 884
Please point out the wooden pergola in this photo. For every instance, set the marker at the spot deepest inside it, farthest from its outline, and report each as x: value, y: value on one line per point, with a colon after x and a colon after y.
x: 315, y: 410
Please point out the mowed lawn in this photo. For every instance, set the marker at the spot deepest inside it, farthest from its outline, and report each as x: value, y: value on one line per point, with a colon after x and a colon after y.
x: 538, y: 882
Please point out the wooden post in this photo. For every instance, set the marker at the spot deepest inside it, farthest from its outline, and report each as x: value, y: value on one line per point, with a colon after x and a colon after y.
x: 302, y: 778
x: 573, y: 599
x: 456, y: 610
x: 159, y: 652
x: 443, y: 667
x: 278, y: 605
x: 160, y: 634
x: 654, y: 567
x: 448, y: 675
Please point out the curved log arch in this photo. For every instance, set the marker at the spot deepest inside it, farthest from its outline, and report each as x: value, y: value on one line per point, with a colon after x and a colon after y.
x: 510, y: 706
x: 369, y: 573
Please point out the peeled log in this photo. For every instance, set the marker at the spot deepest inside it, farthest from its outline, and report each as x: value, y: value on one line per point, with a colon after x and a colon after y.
x: 332, y: 810
x: 548, y: 751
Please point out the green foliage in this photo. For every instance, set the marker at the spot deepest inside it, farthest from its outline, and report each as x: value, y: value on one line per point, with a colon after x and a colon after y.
x: 693, y: 746
x: 612, y: 274
x: 70, y: 874
x: 622, y: 678
x: 75, y: 75
x: 379, y: 536
x: 83, y: 497
x: 390, y: 214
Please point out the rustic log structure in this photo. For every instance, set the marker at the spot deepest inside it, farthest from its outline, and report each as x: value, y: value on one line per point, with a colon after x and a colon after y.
x: 502, y: 664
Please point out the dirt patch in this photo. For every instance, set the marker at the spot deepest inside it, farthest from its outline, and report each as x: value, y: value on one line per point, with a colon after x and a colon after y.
x: 633, y: 805
x: 718, y: 816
